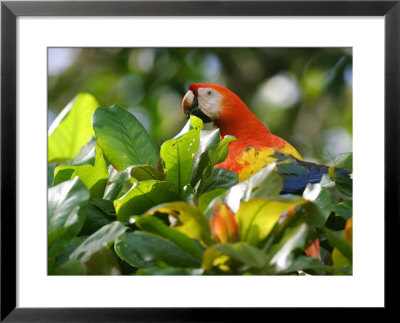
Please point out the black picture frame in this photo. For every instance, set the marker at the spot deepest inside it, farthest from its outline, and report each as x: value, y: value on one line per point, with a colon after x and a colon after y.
x: 10, y: 10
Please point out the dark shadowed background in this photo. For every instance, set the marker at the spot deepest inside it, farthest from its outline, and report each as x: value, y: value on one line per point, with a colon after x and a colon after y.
x: 304, y: 95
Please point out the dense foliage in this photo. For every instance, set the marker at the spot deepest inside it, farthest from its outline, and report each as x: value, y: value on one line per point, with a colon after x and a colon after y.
x: 118, y: 205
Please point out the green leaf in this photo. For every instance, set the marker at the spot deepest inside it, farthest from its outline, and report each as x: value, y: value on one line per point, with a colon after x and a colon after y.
x: 50, y: 173
x: 168, y: 271
x: 221, y: 178
x: 344, y: 209
x: 70, y: 247
x: 141, y: 249
x: 202, y: 164
x: 94, y: 177
x: 71, y: 130
x: 306, y: 263
x: 96, y: 218
x: 244, y: 253
x: 103, y: 262
x: 178, y: 154
x: 86, y: 155
x: 257, y: 217
x: 189, y: 220
x: 344, y: 161
x: 155, y: 226
x: 101, y: 238
x: 294, y: 239
x: 72, y: 267
x: 123, y: 139
x: 145, y: 172
x: 206, y: 198
x: 220, y: 152
x: 67, y: 203
x: 264, y: 184
x: 335, y: 240
x: 142, y: 196
x: 343, y: 183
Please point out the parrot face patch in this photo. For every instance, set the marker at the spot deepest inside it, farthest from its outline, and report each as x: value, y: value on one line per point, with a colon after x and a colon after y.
x: 209, y: 102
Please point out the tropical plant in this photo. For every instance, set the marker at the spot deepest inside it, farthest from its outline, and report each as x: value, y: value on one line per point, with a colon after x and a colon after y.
x: 118, y: 205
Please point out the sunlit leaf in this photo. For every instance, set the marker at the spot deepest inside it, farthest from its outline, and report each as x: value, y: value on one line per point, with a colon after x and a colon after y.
x: 257, y: 217
x: 344, y: 161
x: 145, y: 172
x: 220, y: 152
x: 202, y: 164
x: 335, y: 240
x: 244, y: 253
x: 155, y: 226
x: 294, y: 239
x: 93, y: 176
x: 206, y: 198
x: 178, y: 154
x: 123, y: 139
x: 143, y: 196
x: 264, y: 184
x: 101, y: 238
x: 188, y: 220
x: 67, y: 203
x: 71, y: 130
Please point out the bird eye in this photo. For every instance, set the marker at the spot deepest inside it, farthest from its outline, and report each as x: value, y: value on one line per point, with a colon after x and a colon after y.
x: 208, y: 92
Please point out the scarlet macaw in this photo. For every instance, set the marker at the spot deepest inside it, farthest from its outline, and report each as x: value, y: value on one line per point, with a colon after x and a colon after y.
x: 256, y: 146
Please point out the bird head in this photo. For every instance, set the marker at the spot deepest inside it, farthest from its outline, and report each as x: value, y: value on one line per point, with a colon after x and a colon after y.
x: 209, y: 102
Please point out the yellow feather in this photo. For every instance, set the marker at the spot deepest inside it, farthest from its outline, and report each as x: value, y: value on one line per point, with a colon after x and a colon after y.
x: 255, y: 160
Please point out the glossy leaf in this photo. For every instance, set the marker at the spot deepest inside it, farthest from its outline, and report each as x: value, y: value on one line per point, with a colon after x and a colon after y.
x: 141, y: 249
x: 244, y: 253
x: 256, y: 217
x: 221, y: 178
x: 71, y: 130
x: 344, y: 209
x: 294, y: 239
x: 145, y: 172
x: 67, y: 203
x: 264, y: 184
x: 96, y: 218
x: 188, y: 219
x: 307, y: 263
x: 178, y: 154
x: 343, y: 183
x: 220, y: 152
x: 101, y: 238
x: 155, y: 226
x: 143, y: 196
x: 339, y: 242
x: 93, y: 176
x: 122, y: 138
x: 344, y: 161
x: 206, y: 198
x: 202, y: 163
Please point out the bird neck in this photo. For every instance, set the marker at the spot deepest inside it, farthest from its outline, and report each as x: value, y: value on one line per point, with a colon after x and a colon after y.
x: 240, y: 122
